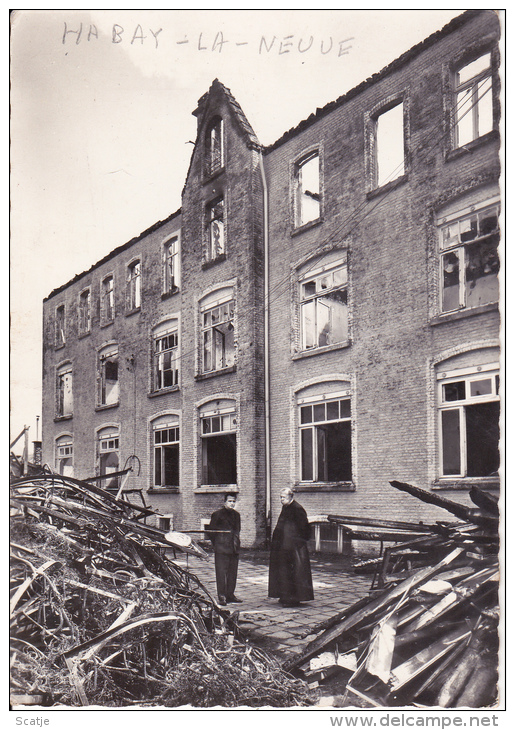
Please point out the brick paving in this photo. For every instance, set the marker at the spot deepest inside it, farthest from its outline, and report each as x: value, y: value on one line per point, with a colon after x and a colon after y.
x: 263, y: 620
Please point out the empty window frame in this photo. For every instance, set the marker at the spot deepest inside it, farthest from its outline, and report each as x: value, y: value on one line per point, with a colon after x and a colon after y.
x: 166, y: 453
x: 107, y: 299
x: 473, y: 111
x: 469, y: 259
x: 307, y: 189
x: 325, y: 440
x: 469, y: 411
x: 84, y: 312
x: 64, y: 455
x: 323, y: 307
x: 166, y: 356
x: 214, y: 146
x: 133, y: 291
x: 218, y: 346
x: 64, y: 391
x: 215, y: 229
x: 389, y: 162
x: 60, y: 338
x: 108, y: 382
x: 109, y: 457
x: 218, y: 444
x: 171, y: 265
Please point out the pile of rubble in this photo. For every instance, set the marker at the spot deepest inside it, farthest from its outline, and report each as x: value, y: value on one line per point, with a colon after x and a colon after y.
x: 101, y: 614
x: 427, y: 635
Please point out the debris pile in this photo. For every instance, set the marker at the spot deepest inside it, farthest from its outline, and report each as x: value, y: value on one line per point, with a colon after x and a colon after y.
x: 100, y: 615
x: 428, y: 636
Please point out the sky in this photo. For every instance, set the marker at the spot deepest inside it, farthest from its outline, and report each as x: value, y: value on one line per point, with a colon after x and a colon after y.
x: 102, y: 126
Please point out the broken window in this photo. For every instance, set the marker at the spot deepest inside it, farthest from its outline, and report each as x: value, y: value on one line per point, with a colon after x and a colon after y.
x: 166, y: 356
x: 133, y: 286
x: 84, y: 312
x: 325, y: 440
x: 469, y: 259
x: 307, y: 189
x: 107, y: 299
x: 59, y: 326
x: 214, y: 147
x: 166, y: 453
x: 218, y: 347
x: 473, y: 114
x: 216, y: 229
x: 324, y: 312
x: 109, y: 457
x: 218, y: 441
x: 64, y: 391
x: 64, y: 456
x: 108, y: 384
x: 469, y: 422
x: 389, y: 145
x: 171, y: 265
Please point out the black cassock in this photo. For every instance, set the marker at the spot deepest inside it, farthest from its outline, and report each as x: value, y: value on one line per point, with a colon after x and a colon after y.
x: 290, y: 570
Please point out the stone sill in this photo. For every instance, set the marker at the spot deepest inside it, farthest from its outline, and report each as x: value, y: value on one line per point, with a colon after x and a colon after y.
x: 466, y: 483
x: 216, y: 488
x: 214, y: 373
x: 103, y: 325
x: 462, y: 313
x: 106, y: 406
x: 324, y: 487
x: 213, y: 262
x: 171, y: 293
x: 455, y: 154
x: 163, y: 490
x: 163, y: 391
x: 133, y: 311
x: 321, y: 350
x: 67, y: 417
x: 307, y: 226
x: 387, y: 187
x: 82, y: 335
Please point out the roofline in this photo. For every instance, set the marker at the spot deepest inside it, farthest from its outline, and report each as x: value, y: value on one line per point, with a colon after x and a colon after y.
x: 395, y: 65
x: 113, y: 253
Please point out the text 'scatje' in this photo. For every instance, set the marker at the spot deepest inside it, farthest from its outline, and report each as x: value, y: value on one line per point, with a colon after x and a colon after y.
x: 207, y: 42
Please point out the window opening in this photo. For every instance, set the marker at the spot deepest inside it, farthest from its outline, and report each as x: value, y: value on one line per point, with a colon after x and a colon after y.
x: 171, y: 265
x: 307, y: 193
x: 64, y: 405
x: 59, y: 326
x: 109, y: 459
x: 470, y: 260
x: 108, y: 299
x: 214, y: 147
x: 166, y: 456
x: 108, y: 393
x: 84, y: 312
x: 469, y: 424
x: 218, y: 350
x: 64, y: 456
x: 324, y: 311
x: 166, y: 359
x: 325, y: 441
x: 390, y: 145
x: 134, y: 286
x: 218, y: 438
x: 216, y: 229
x: 474, y: 102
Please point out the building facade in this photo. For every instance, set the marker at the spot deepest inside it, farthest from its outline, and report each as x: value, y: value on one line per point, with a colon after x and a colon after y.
x: 322, y: 313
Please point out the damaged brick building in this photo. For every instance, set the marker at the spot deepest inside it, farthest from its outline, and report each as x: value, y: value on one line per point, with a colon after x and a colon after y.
x: 322, y: 313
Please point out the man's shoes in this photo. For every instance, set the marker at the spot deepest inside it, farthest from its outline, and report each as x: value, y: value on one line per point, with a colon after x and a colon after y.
x: 234, y: 599
x: 222, y: 600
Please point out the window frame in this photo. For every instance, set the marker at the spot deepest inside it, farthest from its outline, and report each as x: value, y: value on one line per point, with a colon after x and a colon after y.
x: 104, y: 435
x: 212, y: 218
x: 62, y: 371
x: 209, y: 304
x: 171, y: 265
x: 60, y: 326
x: 84, y: 311
x: 312, y: 426
x: 226, y: 414
x: 214, y: 154
x: 107, y: 307
x: 459, y: 250
x: 64, y: 441
x: 474, y: 83
x: 315, y: 274
x: 166, y: 423
x: 467, y: 375
x: 133, y: 291
x: 298, y: 191
x: 164, y: 330
x: 105, y: 354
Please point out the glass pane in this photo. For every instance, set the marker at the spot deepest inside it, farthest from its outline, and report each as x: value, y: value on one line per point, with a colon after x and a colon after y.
x: 219, y: 459
x: 340, y: 276
x: 451, y: 443
x: 171, y: 465
x: 157, y: 437
x: 157, y: 467
x: 468, y: 229
x: 308, y: 324
x: 474, y: 68
x: 306, y: 414
x: 207, y: 352
x: 319, y: 412
x: 307, y: 454
x: 390, y: 145
x: 450, y: 235
x: 206, y: 425
x: 485, y: 109
x: 339, y: 460
x: 321, y: 435
x: 309, y: 288
x: 345, y: 408
x: 482, y: 424
x: 333, y: 410
x: 323, y: 324
x: 339, y: 316
x: 453, y: 391
x: 481, y: 269
x: 480, y: 387
x: 488, y: 221
x: 215, y: 424
x: 464, y: 120
x: 451, y: 282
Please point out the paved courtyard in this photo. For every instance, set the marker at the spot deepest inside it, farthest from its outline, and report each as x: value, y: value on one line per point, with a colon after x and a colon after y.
x: 284, y: 631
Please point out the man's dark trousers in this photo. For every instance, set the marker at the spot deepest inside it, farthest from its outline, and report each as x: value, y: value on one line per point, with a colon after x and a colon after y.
x: 226, y: 568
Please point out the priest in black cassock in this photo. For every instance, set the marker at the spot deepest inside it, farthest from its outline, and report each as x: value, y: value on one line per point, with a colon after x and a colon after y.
x: 290, y: 570
x: 225, y: 536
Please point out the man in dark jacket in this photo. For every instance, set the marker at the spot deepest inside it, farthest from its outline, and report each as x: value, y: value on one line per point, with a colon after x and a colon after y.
x: 290, y: 569
x: 225, y: 526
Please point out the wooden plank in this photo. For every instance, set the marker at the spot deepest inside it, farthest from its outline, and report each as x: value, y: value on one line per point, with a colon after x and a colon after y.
x: 389, y: 524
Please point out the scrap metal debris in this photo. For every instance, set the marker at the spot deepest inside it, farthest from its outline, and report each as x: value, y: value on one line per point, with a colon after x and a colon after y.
x: 427, y: 635
x: 101, y: 614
